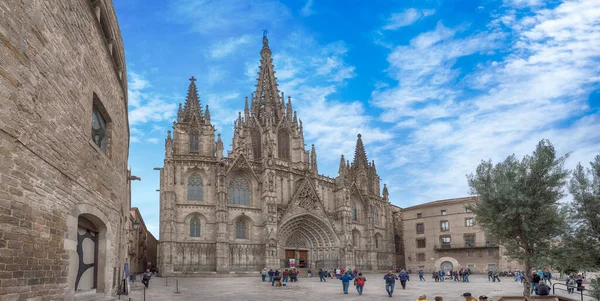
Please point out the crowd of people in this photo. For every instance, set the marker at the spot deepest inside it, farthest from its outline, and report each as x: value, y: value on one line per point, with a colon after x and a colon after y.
x: 539, y: 279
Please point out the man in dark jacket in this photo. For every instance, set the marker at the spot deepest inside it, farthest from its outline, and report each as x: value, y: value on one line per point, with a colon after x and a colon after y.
x: 390, y: 281
x: 535, y: 281
x: 146, y: 277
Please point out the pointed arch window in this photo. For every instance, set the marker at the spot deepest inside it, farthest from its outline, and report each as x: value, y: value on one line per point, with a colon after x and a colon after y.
x: 240, y: 230
x: 356, y: 239
x: 195, y: 227
x: 375, y: 216
x: 194, y: 141
x: 256, y: 145
x: 354, y: 212
x: 376, y: 242
x: 195, y: 187
x: 239, y: 191
x: 283, y: 145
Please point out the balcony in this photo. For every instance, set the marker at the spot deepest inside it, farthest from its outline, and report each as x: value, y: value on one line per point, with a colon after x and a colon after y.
x: 464, y: 246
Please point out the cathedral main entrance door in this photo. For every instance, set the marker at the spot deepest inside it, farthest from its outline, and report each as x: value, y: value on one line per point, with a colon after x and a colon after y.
x: 308, y: 239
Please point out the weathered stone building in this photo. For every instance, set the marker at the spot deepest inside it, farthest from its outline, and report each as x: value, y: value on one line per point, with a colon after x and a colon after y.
x: 64, y: 142
x: 441, y: 235
x: 265, y: 202
x: 142, y: 246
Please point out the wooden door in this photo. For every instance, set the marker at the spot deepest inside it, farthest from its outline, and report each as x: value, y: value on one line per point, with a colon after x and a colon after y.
x: 290, y: 254
x: 303, y: 256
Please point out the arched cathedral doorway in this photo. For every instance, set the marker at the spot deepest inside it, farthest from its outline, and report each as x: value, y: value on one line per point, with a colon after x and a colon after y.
x: 308, y: 240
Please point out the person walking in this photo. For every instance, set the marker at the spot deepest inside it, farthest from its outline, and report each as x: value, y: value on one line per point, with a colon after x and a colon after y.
x: 390, y: 281
x: 359, y: 282
x: 421, y: 278
x: 403, y: 278
x: 496, y: 277
x: 436, y: 276
x: 346, y: 282
x: 146, y: 277
x: 490, y: 275
x: 321, y: 278
x: 271, y: 274
x: 571, y: 284
x: 467, y: 272
x: 549, y: 276
x: 309, y: 273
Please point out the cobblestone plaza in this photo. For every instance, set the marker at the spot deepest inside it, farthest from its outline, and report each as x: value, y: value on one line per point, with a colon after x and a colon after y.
x: 252, y: 288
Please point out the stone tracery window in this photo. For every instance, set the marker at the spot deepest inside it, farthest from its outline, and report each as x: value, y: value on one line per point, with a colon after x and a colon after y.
x: 195, y: 227
x: 99, y: 129
x: 283, y: 145
x: 194, y: 141
x: 239, y: 191
x: 195, y: 187
x: 240, y: 230
x: 375, y: 216
x: 256, y: 144
x: 354, y: 211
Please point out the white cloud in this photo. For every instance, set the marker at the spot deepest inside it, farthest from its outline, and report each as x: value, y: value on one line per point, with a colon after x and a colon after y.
x: 538, y: 88
x: 225, y: 48
x: 152, y: 140
x: 146, y: 105
x: 407, y: 17
x: 307, y: 9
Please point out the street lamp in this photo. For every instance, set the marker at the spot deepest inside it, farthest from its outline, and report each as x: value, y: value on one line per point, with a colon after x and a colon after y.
x: 135, y: 225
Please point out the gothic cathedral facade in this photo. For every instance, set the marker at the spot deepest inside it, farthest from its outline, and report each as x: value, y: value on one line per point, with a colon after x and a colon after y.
x: 265, y: 202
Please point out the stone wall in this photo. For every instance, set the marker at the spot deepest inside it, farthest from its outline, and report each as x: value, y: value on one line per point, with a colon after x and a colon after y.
x: 55, y: 63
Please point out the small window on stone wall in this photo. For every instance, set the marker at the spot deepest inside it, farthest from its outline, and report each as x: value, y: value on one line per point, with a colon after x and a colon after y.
x: 195, y: 228
x: 421, y: 257
x: 100, y: 125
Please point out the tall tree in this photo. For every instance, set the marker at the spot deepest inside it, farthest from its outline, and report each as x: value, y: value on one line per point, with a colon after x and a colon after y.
x: 582, y: 238
x: 518, y: 203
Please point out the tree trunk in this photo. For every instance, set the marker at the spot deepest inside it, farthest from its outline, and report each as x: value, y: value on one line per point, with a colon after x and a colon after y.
x: 527, y: 280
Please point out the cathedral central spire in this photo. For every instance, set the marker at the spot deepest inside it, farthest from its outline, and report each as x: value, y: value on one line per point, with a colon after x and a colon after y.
x: 192, y: 103
x: 360, y: 155
x: 267, y: 94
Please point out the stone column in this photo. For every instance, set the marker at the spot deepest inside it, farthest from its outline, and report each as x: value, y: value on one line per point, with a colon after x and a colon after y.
x: 222, y: 247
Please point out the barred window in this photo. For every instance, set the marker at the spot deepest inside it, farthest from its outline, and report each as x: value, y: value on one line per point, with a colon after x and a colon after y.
x: 239, y: 191
x: 194, y: 228
x: 195, y: 187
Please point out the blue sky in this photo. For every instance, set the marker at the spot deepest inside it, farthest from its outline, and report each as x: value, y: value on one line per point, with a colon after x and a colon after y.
x: 433, y: 86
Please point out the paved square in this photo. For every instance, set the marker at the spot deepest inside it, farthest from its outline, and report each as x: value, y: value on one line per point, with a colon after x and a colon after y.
x: 252, y: 288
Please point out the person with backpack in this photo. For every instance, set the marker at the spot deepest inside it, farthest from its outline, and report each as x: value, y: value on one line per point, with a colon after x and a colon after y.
x: 346, y: 281
x: 271, y: 274
x: 359, y: 282
x: 421, y: 278
x: 390, y: 281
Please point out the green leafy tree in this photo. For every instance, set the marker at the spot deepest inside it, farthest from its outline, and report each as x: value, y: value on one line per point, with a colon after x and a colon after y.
x: 518, y: 203
x: 594, y: 290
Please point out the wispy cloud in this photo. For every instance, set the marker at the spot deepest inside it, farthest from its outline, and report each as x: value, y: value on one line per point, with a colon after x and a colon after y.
x: 307, y: 9
x: 406, y: 18
x: 526, y: 86
x: 209, y: 17
x: 226, y: 48
x: 145, y: 105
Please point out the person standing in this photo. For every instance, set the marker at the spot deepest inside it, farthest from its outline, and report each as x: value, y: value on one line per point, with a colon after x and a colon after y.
x: 359, y: 282
x: 321, y: 275
x: 286, y: 275
x: 570, y: 284
x: 264, y: 274
x: 309, y: 273
x: 436, y: 276
x: 421, y: 278
x: 146, y: 277
x: 549, y: 276
x: 403, y: 278
x: 346, y: 282
x: 490, y: 275
x: 535, y: 281
x: 390, y: 281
